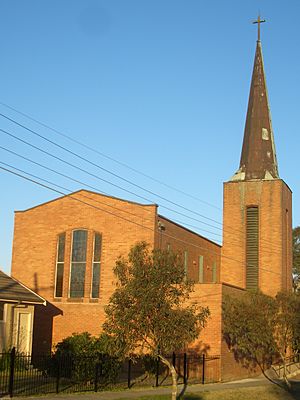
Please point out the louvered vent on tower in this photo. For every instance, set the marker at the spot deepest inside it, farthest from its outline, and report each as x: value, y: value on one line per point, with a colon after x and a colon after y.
x: 252, y: 232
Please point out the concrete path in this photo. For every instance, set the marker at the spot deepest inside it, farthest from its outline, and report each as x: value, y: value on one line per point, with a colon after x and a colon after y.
x: 139, y: 392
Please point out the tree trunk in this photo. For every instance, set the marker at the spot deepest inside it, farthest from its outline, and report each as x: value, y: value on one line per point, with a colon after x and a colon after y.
x: 287, y: 382
x: 174, y: 376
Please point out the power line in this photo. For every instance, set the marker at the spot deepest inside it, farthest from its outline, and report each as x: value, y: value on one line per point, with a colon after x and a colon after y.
x: 116, y: 175
x: 111, y: 213
x: 80, y: 182
x: 106, y: 170
x: 101, y: 179
x: 97, y: 177
x: 92, y: 187
x: 109, y: 157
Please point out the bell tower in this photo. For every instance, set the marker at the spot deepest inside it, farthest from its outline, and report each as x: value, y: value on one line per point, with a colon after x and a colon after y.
x: 257, y: 204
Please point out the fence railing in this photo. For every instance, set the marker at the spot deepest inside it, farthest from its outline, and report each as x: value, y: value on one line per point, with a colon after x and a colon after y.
x: 25, y: 375
x: 292, y: 364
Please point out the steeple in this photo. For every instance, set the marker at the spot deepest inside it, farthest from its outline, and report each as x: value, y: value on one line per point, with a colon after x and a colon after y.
x: 258, y: 158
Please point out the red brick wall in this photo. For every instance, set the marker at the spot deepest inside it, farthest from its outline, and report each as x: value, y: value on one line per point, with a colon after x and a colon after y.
x: 230, y: 367
x: 35, y: 247
x: 209, y: 295
x: 273, y: 198
x: 35, y: 244
x: 181, y: 239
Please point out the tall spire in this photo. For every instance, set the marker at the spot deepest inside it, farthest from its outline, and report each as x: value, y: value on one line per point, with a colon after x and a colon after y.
x: 258, y: 159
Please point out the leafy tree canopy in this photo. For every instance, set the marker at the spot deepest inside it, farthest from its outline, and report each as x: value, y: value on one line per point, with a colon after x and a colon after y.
x: 248, y: 328
x: 296, y: 250
x: 260, y: 329
x: 148, y: 311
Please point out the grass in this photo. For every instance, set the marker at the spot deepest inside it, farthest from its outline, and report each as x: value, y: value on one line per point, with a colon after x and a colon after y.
x: 249, y: 393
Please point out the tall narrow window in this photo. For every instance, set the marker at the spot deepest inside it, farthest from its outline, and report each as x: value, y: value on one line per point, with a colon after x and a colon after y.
x: 60, y: 259
x: 1, y: 311
x: 186, y: 263
x: 96, y: 266
x: 201, y: 273
x: 252, y: 237
x: 78, y: 263
x: 214, y: 272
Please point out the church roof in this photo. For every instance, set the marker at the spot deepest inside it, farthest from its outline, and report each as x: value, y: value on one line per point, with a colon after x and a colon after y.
x: 258, y: 158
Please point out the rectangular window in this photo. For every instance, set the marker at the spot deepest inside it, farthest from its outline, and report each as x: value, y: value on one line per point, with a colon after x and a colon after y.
x: 60, y: 258
x: 186, y: 263
x: 78, y: 263
x: 201, y: 272
x: 252, y: 241
x: 214, y: 272
x: 96, y: 266
x: 1, y: 311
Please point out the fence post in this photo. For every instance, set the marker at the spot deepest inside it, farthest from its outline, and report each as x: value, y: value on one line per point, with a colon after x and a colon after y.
x: 58, y: 374
x: 203, y: 369
x: 12, y: 372
x: 184, y: 369
x: 129, y: 374
x: 157, y: 372
x: 96, y: 376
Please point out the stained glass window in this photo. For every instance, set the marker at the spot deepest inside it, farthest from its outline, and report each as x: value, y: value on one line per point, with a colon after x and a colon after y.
x: 78, y: 263
x: 96, y: 266
x: 60, y: 258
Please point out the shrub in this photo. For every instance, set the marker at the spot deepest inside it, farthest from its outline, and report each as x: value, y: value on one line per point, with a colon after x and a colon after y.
x: 79, y: 356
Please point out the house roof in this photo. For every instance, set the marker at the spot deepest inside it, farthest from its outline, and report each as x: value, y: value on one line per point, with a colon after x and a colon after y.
x: 13, y: 291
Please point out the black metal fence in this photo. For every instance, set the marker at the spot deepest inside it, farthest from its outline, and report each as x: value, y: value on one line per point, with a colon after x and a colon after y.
x: 22, y: 375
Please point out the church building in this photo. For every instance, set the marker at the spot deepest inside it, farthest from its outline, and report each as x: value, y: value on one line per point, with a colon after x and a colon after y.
x: 65, y: 249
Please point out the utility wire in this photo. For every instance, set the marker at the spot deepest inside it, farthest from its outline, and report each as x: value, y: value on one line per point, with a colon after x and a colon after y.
x: 128, y: 181
x: 116, y: 175
x: 91, y: 187
x: 97, y: 177
x: 88, y: 186
x: 81, y: 183
x: 111, y: 213
x: 73, y: 153
x: 108, y: 157
x: 101, y: 179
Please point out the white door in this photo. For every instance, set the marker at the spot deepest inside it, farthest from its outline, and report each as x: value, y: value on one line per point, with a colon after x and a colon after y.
x: 23, y: 332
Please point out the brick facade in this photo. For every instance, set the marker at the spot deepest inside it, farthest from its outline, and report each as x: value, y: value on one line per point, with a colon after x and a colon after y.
x: 121, y: 224
x: 274, y: 201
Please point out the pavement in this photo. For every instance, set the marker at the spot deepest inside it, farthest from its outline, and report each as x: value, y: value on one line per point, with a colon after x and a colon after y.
x: 136, y: 393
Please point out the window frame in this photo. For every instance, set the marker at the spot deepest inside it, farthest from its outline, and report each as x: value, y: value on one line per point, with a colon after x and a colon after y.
x: 93, y: 262
x: 59, y: 262
x: 2, y: 312
x: 200, y: 269
x: 78, y: 262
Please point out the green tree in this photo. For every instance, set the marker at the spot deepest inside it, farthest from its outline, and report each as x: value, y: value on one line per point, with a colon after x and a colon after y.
x: 286, y: 326
x: 248, y: 325
x: 148, y: 312
x: 260, y: 329
x: 296, y: 250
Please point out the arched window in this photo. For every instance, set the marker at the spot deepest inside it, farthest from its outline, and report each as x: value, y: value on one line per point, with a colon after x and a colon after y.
x: 60, y: 262
x: 78, y: 263
x: 96, y: 266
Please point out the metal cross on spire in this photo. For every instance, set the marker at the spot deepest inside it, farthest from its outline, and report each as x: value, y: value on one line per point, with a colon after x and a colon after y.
x: 258, y: 22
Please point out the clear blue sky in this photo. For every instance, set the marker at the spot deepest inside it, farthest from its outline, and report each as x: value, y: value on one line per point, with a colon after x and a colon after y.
x: 160, y: 85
